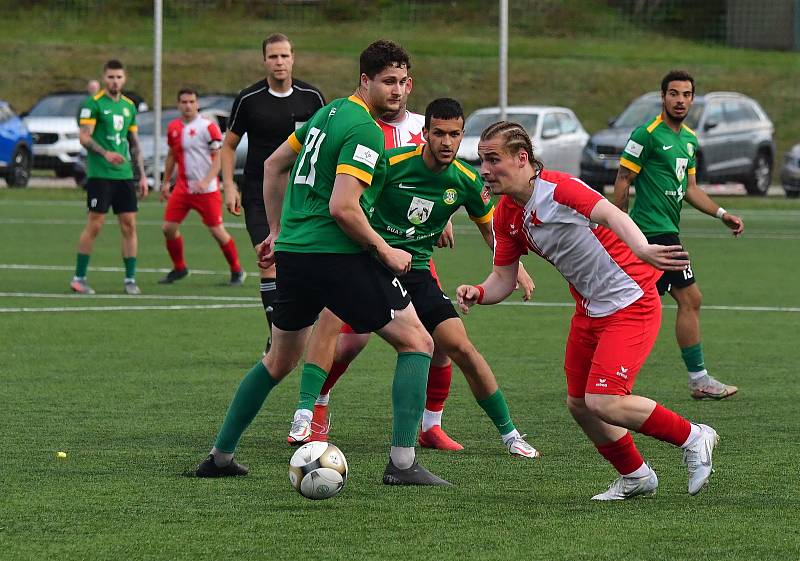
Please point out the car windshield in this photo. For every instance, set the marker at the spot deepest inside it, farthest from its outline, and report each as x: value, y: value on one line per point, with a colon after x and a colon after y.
x: 58, y: 106
x: 146, y: 120
x: 639, y: 112
x: 223, y: 102
x: 477, y: 123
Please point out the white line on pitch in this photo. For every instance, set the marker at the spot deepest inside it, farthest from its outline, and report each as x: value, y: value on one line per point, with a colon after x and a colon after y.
x: 112, y: 221
x: 126, y: 297
x: 128, y: 308
x: 22, y: 266
x: 667, y: 306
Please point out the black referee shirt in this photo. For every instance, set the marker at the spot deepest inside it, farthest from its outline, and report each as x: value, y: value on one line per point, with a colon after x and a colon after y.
x: 269, y: 118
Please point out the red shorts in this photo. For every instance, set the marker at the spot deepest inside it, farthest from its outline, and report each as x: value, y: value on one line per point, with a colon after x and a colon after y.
x: 347, y: 329
x: 209, y: 205
x: 605, y: 354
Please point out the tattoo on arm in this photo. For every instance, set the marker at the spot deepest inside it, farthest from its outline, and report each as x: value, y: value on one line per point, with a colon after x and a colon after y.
x: 622, y: 186
x: 91, y: 144
x: 136, y: 152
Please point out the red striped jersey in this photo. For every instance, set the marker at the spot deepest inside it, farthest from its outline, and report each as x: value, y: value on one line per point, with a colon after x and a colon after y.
x: 405, y: 132
x: 192, y: 145
x: 603, y: 273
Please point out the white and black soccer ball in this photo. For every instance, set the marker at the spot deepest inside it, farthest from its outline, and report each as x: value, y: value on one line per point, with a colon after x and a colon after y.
x: 318, y: 470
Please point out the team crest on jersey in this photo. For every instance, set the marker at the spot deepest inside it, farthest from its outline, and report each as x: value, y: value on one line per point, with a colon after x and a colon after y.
x: 690, y: 148
x: 680, y: 167
x: 450, y: 196
x: 486, y: 195
x: 126, y: 112
x: 118, y: 122
x: 419, y: 210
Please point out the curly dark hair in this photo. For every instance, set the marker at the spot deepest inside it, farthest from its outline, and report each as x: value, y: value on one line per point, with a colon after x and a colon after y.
x: 382, y: 54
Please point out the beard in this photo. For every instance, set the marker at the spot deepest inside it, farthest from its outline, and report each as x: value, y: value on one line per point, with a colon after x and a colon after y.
x: 676, y: 118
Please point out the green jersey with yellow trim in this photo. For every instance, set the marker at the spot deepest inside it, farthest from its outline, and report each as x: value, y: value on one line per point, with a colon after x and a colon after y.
x: 663, y: 160
x: 340, y: 138
x: 112, y: 120
x: 415, y: 204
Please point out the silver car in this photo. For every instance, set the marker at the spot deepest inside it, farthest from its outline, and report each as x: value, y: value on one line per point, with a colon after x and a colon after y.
x: 790, y: 172
x: 734, y: 137
x: 556, y: 133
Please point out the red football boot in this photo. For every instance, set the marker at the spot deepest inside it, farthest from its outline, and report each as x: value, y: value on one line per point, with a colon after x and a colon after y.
x: 320, y: 424
x: 436, y: 438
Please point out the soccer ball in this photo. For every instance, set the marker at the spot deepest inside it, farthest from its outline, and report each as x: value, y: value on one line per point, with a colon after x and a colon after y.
x: 318, y: 470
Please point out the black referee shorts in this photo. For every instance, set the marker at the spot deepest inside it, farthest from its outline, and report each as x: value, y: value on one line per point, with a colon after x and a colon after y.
x: 670, y: 279
x: 355, y: 287
x: 432, y: 305
x: 255, y: 215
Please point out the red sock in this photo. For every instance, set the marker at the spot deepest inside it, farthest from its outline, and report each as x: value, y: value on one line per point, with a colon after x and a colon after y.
x: 231, y: 255
x: 622, y: 454
x: 439, y: 378
x: 337, y: 369
x: 175, y: 249
x: 666, y: 425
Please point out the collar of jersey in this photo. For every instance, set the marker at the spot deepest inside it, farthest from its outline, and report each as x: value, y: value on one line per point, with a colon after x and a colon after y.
x: 358, y: 101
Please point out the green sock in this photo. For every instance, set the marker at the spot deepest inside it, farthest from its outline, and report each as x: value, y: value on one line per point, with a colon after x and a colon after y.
x: 311, y: 380
x: 247, y: 402
x: 497, y: 408
x: 130, y: 267
x: 82, y: 265
x: 408, y: 397
x: 693, y: 358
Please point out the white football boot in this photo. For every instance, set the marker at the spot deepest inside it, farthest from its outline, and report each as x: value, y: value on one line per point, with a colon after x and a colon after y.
x: 628, y: 487
x: 697, y: 457
x: 517, y: 446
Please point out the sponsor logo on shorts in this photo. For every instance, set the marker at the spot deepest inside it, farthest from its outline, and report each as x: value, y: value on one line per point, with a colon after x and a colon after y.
x: 622, y: 372
x: 601, y: 383
x: 450, y: 196
x: 634, y: 148
x: 365, y: 155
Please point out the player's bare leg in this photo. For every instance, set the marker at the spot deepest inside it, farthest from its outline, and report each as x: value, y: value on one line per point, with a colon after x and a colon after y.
x: 645, y: 416
x: 687, y: 333
x: 174, y: 242
x: 451, y: 336
x: 280, y: 360
x: 94, y: 223
x: 130, y: 245
x: 228, y: 248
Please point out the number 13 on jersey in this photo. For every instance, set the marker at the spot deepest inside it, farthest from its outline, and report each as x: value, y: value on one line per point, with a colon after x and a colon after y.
x: 313, y: 142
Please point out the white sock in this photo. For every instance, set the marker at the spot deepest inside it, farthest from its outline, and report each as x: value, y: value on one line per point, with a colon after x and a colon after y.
x: 643, y: 470
x: 697, y: 376
x: 693, y: 434
x: 221, y: 459
x: 431, y: 419
x: 323, y: 399
x: 129, y: 280
x: 402, y: 456
x: 303, y: 414
x: 77, y: 278
x: 509, y: 436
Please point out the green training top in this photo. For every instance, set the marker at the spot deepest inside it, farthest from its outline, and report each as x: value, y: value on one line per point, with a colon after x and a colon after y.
x: 341, y: 137
x: 416, y: 203
x: 112, y: 121
x: 664, y: 160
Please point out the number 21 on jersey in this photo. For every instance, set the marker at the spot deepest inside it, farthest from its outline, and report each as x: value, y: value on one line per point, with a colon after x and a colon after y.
x: 313, y: 142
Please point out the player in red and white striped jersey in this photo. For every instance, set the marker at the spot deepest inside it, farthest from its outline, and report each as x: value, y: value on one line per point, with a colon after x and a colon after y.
x: 612, y: 272
x: 194, y: 144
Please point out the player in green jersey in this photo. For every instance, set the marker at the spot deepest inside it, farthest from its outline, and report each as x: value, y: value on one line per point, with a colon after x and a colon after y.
x: 108, y: 132
x: 318, y: 236
x: 660, y: 159
x: 425, y: 185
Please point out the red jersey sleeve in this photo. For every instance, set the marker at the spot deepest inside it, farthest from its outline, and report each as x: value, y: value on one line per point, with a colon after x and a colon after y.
x: 507, y: 227
x: 577, y: 195
x: 174, y: 134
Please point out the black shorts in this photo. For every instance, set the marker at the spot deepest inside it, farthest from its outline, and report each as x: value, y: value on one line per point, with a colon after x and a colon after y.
x: 119, y: 194
x: 670, y: 279
x: 432, y: 305
x: 355, y: 287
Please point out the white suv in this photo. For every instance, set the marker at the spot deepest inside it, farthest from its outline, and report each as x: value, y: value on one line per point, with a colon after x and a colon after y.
x: 53, y: 123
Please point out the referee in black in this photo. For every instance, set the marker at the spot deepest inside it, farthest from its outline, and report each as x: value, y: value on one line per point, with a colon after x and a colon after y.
x: 268, y: 111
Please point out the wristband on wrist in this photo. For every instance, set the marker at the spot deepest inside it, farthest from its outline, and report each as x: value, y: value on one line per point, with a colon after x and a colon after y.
x: 720, y: 212
x: 481, y: 293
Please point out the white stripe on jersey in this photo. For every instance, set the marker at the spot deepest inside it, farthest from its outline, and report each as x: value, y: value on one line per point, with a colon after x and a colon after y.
x: 233, y: 121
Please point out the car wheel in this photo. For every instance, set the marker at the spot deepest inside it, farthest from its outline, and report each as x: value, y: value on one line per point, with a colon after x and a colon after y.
x: 760, y: 177
x: 64, y: 170
x: 19, y: 172
x: 792, y: 194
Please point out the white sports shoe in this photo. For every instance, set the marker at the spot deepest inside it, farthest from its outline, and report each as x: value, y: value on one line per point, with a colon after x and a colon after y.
x: 628, y: 487
x: 300, y: 431
x: 709, y: 387
x: 518, y: 447
x: 697, y: 458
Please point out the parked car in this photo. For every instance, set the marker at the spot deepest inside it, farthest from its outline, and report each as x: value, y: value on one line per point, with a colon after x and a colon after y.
x: 146, y: 125
x: 16, y: 148
x: 790, y: 172
x: 557, y: 135
x: 734, y: 140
